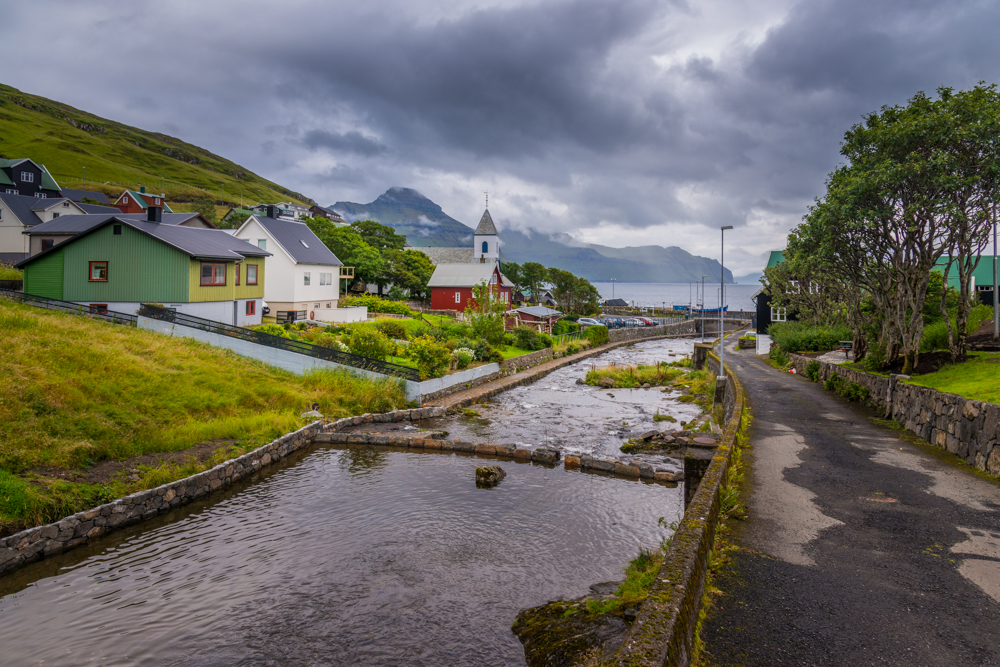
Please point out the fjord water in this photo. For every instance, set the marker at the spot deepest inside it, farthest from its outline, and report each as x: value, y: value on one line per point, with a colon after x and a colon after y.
x: 357, y: 556
x: 679, y: 294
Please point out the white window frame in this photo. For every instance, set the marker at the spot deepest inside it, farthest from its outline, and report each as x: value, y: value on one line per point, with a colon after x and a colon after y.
x: 262, y: 244
x: 12, y: 191
x: 458, y: 297
x: 27, y: 177
x: 306, y: 278
x: 125, y: 200
x: 779, y: 314
x: 795, y: 286
x: 41, y: 195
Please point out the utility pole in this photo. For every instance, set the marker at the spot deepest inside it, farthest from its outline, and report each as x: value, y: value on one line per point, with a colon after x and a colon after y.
x: 703, y: 308
x: 85, y: 187
x: 996, y: 287
x: 722, y: 297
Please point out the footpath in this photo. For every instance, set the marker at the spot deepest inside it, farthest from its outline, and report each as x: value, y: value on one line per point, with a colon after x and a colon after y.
x: 860, y: 547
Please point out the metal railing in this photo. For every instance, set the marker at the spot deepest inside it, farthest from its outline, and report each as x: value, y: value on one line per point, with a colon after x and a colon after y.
x: 15, y: 285
x: 573, y: 335
x: 280, y: 343
x: 289, y: 315
x: 70, y: 307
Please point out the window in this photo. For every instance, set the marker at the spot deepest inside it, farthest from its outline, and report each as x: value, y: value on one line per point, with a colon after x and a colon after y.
x: 458, y: 297
x: 213, y: 274
x: 328, y: 305
x: 116, y: 230
x: 55, y: 215
x: 251, y: 274
x: 251, y: 307
x: 1, y: 214
x: 124, y: 200
x: 12, y: 191
x: 777, y: 314
x: 65, y: 204
x: 237, y: 274
x: 486, y: 247
x: 98, y: 272
x: 305, y: 278
x: 262, y: 244
x: 156, y: 201
x: 47, y: 243
x: 41, y: 195
x: 315, y: 305
x: 98, y: 308
x: 795, y: 287
x: 813, y: 288
x: 27, y: 177
x: 326, y: 279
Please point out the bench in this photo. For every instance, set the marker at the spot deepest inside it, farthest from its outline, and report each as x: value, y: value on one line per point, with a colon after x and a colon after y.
x: 846, y: 346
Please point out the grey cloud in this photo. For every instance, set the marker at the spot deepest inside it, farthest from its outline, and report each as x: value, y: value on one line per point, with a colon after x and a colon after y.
x: 348, y: 142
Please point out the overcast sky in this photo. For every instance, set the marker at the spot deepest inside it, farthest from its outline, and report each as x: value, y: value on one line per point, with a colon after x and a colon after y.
x: 622, y: 122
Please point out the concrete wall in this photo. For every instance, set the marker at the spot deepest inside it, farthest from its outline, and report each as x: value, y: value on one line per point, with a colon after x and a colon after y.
x: 963, y: 427
x: 470, y: 375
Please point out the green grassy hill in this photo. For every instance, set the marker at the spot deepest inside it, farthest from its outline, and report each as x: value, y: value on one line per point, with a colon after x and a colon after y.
x: 118, y: 156
x: 76, y: 392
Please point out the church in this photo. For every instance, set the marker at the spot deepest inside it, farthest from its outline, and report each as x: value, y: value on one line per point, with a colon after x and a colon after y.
x: 458, y: 270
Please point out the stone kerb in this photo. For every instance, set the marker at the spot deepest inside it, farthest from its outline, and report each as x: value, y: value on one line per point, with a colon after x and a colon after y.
x: 663, y: 632
x: 75, y: 530
x: 961, y: 426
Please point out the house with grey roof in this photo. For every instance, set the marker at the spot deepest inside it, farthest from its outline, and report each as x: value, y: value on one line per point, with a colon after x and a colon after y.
x: 303, y: 274
x: 20, y: 213
x: 537, y: 317
x: 451, y: 284
x: 80, y: 195
x: 119, y: 262
x: 485, y: 246
x: 24, y: 176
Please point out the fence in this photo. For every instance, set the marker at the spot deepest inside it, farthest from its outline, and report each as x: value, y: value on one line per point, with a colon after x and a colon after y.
x: 70, y: 307
x: 280, y: 343
x: 573, y: 335
x: 15, y: 285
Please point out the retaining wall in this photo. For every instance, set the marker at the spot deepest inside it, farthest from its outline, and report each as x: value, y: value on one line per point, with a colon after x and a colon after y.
x: 964, y: 427
x: 40, y: 542
x: 663, y: 632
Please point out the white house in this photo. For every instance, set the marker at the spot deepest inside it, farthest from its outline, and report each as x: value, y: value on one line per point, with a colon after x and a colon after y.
x: 303, y: 275
x: 20, y: 213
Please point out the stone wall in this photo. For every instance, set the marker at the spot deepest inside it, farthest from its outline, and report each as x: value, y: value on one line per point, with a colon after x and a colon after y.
x: 962, y: 426
x: 509, y: 366
x: 663, y: 632
x: 43, y: 541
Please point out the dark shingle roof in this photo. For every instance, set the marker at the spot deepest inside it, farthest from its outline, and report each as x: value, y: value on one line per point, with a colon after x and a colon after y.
x: 486, y: 226
x: 298, y: 241
x: 448, y: 255
x: 80, y: 195
x: 12, y: 257
x: 21, y: 206
x: 75, y: 224
x: 94, y: 208
x: 48, y: 183
x: 213, y: 244
x: 538, y: 311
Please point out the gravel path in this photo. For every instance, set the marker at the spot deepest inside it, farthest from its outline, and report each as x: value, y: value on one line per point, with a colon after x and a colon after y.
x: 860, y: 548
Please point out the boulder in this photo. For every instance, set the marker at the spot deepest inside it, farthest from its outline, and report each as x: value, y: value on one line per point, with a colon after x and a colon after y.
x: 607, y: 383
x: 488, y: 476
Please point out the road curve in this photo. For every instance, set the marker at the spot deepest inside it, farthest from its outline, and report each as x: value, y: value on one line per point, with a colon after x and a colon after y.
x: 859, y: 549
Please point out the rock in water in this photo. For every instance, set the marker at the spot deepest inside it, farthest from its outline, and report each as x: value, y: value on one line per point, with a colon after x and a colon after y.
x: 489, y: 475
x: 607, y: 383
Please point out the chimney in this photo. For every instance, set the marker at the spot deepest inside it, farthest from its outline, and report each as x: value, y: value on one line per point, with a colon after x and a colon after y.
x: 154, y: 214
x: 272, y: 211
x: 142, y: 189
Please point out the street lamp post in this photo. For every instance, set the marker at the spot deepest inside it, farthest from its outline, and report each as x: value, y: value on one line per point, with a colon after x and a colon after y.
x: 703, y: 308
x: 612, y: 289
x: 996, y: 287
x: 722, y: 299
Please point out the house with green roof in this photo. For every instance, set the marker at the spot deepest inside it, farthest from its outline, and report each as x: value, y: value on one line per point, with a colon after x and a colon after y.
x: 121, y: 262
x: 981, y: 283
x: 24, y: 176
x: 131, y: 201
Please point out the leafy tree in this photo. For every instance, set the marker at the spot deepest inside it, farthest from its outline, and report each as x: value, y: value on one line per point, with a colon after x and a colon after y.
x: 379, y: 236
x: 533, y: 277
x: 207, y: 209
x: 233, y: 220
x: 514, y: 274
x: 433, y: 359
x: 575, y: 295
x: 349, y: 248
x: 410, y: 270
x: 487, y: 313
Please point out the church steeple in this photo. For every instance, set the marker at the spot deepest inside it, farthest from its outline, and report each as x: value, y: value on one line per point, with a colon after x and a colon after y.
x: 486, y: 241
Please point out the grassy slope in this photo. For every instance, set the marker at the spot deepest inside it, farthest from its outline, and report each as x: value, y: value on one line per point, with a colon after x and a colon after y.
x: 118, y: 156
x: 74, y: 391
x: 978, y: 378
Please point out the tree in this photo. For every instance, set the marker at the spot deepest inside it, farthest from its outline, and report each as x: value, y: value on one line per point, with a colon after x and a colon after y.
x: 533, y: 276
x: 410, y: 270
x: 206, y: 207
x: 575, y: 295
x: 233, y: 220
x: 379, y: 236
x: 349, y: 248
x: 514, y: 274
x: 487, y: 313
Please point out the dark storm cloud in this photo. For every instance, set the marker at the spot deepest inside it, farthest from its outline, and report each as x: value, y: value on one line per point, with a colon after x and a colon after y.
x: 579, y: 114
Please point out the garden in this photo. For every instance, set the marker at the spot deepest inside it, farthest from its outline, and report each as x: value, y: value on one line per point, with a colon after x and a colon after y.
x: 436, y: 345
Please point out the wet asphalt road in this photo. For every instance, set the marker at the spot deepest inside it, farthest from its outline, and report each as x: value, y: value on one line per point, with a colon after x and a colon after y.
x: 860, y: 549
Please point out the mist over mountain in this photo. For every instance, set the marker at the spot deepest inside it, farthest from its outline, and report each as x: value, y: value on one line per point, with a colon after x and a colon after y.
x: 425, y: 224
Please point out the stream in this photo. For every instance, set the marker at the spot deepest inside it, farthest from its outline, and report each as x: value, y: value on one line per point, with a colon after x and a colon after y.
x: 361, y: 556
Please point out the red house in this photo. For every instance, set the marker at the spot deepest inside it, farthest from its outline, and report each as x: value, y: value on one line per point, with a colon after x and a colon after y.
x: 451, y: 285
x: 131, y: 201
x: 538, y: 317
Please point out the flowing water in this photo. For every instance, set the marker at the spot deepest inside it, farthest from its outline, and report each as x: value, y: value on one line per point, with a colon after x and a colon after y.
x: 358, y: 556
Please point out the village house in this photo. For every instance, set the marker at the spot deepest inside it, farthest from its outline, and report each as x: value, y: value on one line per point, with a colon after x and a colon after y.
x: 80, y: 196
x: 23, y: 176
x: 304, y: 275
x: 328, y: 213
x: 538, y: 317
x: 451, y: 284
x: 122, y: 262
x: 21, y: 213
x: 131, y: 201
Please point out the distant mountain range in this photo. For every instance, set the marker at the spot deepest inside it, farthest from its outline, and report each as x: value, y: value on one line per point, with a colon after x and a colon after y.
x: 425, y: 224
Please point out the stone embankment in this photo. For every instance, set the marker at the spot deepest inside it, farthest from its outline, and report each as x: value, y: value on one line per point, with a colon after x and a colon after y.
x: 961, y: 426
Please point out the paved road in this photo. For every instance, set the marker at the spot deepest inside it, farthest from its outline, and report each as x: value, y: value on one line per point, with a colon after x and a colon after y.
x: 860, y: 548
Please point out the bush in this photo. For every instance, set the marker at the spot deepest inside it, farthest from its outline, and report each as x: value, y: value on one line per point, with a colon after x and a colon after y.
x: 546, y: 339
x: 486, y: 352
x: 778, y: 356
x: 509, y: 339
x: 572, y: 348
x: 377, y: 305
x: 433, y: 359
x: 463, y: 357
x: 273, y: 329
x: 597, y: 335
x: 935, y: 335
x: 528, y: 338
x: 564, y: 326
x: 801, y: 337
x: 371, y: 343
x: 392, y: 328
x: 812, y: 370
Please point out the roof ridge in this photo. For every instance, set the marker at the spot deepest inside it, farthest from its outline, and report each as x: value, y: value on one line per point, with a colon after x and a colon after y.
x: 486, y: 226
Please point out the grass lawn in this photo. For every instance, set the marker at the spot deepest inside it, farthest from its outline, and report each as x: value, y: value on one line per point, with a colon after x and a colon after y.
x: 978, y: 378
x: 75, y: 392
x: 509, y: 351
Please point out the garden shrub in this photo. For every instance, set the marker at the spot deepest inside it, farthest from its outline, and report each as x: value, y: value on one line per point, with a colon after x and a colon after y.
x: 392, y: 328
x: 812, y: 370
x: 377, y: 305
x: 433, y: 358
x: 486, y: 352
x: 528, y: 338
x: 463, y: 357
x: 833, y: 383
x: 273, y: 329
x: 802, y: 337
x: 853, y: 391
x: 509, y: 339
x: 564, y: 326
x: 371, y: 343
x: 778, y: 356
x: 572, y: 348
x: 546, y: 339
x: 597, y: 335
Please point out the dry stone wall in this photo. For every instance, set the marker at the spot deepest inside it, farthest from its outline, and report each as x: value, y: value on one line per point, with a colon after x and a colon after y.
x: 961, y: 426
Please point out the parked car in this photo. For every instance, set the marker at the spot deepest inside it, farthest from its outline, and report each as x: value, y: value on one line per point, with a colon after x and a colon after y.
x: 646, y: 321
x: 588, y: 322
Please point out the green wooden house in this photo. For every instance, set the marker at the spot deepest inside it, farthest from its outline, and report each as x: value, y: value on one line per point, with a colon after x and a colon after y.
x: 121, y: 263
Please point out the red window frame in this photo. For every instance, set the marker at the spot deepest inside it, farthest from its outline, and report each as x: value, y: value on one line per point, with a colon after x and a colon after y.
x: 90, y: 272
x: 215, y: 274
x: 237, y: 275
x: 251, y: 307
x: 98, y: 308
x: 254, y: 267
